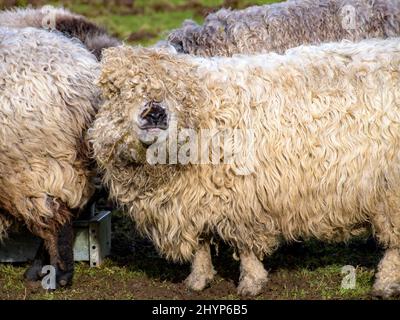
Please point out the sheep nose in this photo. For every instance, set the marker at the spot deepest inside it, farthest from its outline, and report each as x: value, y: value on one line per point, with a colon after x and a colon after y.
x: 153, y: 116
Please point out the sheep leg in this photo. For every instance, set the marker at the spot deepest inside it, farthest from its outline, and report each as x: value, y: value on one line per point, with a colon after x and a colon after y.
x: 65, y: 267
x: 386, y: 222
x: 387, y: 283
x: 34, y: 272
x: 58, y: 240
x: 61, y: 258
x: 202, y: 269
x: 253, y: 276
x: 60, y: 250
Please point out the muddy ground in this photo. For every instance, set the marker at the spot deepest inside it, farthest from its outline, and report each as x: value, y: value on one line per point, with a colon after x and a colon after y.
x: 310, y: 270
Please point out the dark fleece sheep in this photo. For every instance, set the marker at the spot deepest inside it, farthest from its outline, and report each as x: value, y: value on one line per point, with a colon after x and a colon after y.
x: 69, y: 24
x: 280, y: 26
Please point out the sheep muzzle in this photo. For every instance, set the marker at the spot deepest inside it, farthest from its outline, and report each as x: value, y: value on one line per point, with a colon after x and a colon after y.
x: 153, y: 121
x: 153, y: 116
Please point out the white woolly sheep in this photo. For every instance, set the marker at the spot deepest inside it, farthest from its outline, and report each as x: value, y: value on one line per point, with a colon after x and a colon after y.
x: 326, y: 161
x: 280, y: 26
x: 48, y: 98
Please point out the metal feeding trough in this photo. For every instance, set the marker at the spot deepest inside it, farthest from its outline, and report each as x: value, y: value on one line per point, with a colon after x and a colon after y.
x: 92, y: 241
x: 93, y: 238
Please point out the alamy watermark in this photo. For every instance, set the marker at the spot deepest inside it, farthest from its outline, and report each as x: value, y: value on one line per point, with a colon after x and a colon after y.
x: 49, y: 18
x: 234, y: 147
x: 349, y: 280
x: 49, y: 280
x: 349, y: 15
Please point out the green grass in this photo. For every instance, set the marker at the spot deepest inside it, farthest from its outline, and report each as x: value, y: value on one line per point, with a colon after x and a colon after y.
x: 156, y: 23
x: 149, y: 3
x: 148, y: 20
x: 10, y: 274
x: 310, y: 270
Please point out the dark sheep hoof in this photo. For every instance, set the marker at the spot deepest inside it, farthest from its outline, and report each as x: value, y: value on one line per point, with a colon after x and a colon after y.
x: 34, y: 272
x: 64, y: 278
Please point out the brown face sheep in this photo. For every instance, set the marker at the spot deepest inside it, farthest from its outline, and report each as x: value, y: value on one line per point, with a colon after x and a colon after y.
x: 280, y: 26
x: 47, y: 100
x: 95, y: 38
x: 317, y: 151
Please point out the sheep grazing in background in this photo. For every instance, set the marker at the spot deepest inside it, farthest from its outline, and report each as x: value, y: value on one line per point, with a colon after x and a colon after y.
x: 325, y: 161
x: 48, y: 98
x: 69, y: 24
x: 281, y: 26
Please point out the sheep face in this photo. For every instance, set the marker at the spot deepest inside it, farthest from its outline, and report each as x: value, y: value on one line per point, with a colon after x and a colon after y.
x: 148, y: 94
x: 149, y: 122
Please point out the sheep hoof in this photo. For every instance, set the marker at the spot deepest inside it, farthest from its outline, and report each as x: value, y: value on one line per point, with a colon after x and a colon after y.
x: 33, y: 273
x: 64, y: 278
x: 251, y: 286
x: 386, y: 291
x: 63, y: 282
x: 199, y: 281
